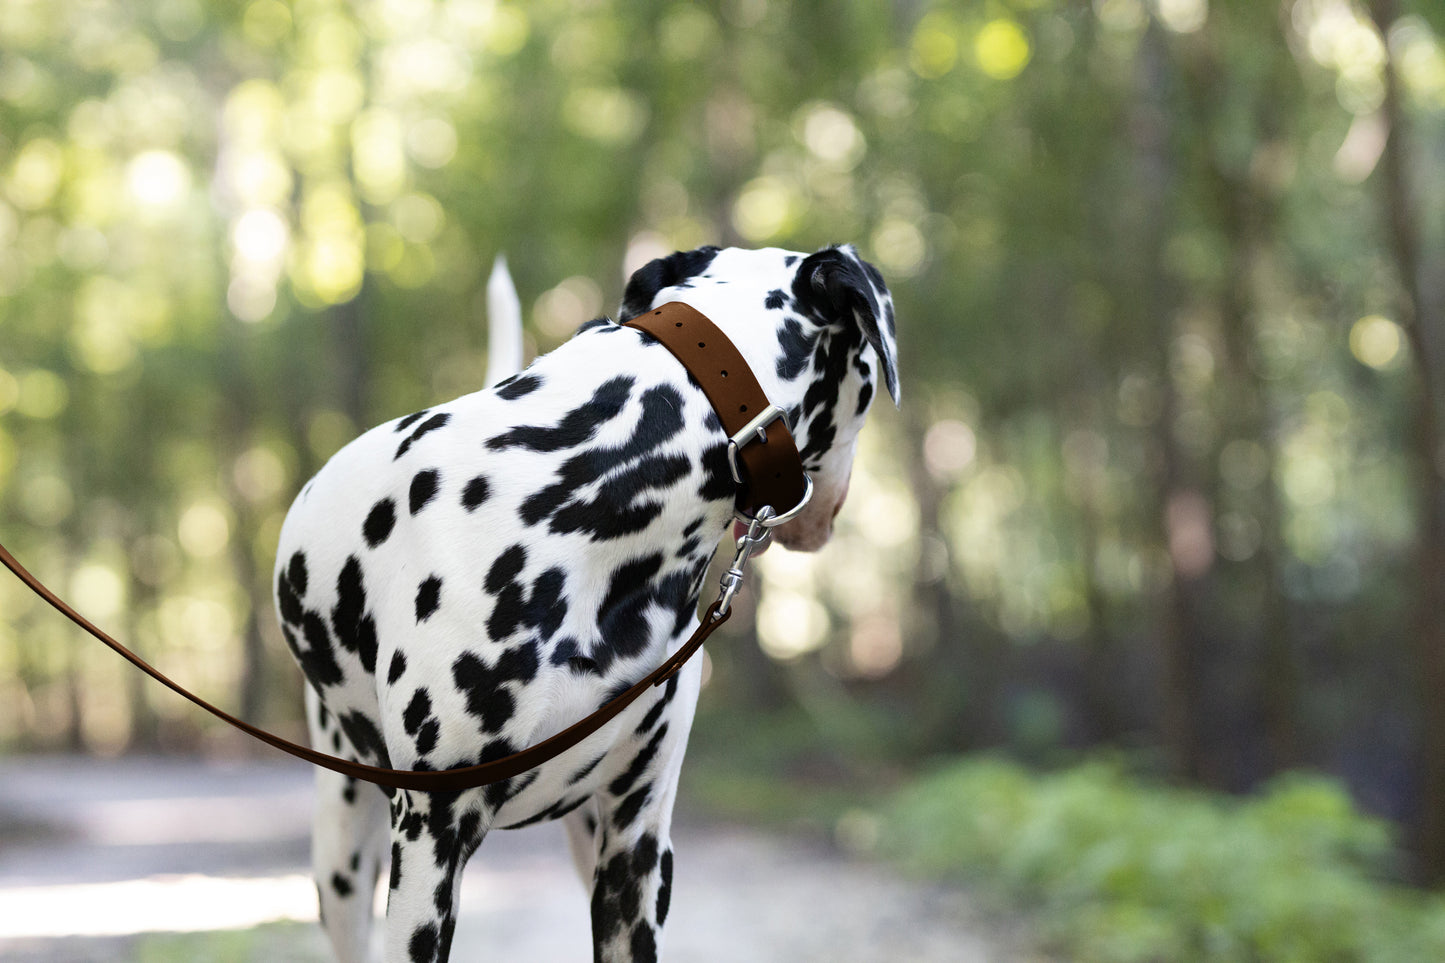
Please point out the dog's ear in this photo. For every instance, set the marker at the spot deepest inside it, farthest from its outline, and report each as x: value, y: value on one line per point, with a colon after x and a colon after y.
x: 664, y: 272
x: 837, y: 286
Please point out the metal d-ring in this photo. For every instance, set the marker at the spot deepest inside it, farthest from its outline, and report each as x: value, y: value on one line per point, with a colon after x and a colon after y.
x: 773, y: 520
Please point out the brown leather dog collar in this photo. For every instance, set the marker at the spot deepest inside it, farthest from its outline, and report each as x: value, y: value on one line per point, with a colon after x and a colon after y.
x: 772, y: 470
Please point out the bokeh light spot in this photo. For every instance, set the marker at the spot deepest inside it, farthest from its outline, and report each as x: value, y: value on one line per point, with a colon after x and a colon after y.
x: 1001, y: 49
x: 1375, y: 341
x: 157, y: 178
x: 204, y: 529
x: 934, y: 50
x: 765, y: 209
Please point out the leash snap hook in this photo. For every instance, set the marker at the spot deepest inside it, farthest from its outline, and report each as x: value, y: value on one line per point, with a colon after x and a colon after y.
x: 750, y: 541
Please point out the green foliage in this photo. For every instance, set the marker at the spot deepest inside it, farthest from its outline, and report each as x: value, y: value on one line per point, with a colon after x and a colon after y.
x: 271, y: 943
x: 1121, y: 870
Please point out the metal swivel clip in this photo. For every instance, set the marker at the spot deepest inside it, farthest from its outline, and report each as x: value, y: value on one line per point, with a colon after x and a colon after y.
x: 753, y: 539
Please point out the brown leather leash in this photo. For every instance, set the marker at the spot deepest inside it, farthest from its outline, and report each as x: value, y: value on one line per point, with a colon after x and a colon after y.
x: 771, y: 473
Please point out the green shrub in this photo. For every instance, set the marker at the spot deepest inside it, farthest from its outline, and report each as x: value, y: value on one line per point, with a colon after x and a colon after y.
x: 1120, y: 870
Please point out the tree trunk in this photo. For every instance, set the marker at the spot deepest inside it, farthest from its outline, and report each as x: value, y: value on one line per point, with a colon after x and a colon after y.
x: 1179, y: 503
x: 1422, y: 319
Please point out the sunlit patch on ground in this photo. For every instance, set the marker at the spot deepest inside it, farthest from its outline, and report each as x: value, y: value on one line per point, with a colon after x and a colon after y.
x: 177, y: 904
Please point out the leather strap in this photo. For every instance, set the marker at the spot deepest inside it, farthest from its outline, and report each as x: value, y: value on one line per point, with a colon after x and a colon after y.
x: 774, y: 477
x: 773, y: 470
x: 443, y: 780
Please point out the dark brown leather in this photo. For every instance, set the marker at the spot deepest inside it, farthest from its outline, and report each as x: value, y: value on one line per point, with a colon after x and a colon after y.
x: 773, y: 471
x: 774, y: 476
x: 451, y: 780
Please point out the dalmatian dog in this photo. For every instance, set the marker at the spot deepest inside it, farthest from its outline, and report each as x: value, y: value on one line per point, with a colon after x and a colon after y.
x: 461, y: 583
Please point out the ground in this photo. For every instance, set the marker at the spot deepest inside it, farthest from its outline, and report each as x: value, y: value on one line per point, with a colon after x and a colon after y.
x: 158, y: 860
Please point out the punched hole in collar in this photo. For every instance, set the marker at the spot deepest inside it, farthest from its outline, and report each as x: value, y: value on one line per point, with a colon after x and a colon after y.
x: 701, y: 345
x: 742, y: 407
x: 724, y: 372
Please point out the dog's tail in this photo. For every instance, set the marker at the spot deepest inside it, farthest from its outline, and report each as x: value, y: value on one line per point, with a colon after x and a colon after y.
x: 504, y: 324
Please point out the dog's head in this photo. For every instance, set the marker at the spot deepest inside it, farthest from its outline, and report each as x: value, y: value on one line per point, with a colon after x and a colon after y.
x: 817, y: 330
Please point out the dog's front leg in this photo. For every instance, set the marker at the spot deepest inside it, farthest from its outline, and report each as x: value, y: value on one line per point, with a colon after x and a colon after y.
x: 632, y: 884
x: 430, y: 846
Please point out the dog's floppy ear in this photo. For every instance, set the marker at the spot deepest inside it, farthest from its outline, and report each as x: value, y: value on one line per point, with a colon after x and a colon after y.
x: 664, y: 272
x: 837, y: 286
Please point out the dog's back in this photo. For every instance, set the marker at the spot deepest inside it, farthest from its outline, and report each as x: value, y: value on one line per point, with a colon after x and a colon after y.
x: 445, y: 560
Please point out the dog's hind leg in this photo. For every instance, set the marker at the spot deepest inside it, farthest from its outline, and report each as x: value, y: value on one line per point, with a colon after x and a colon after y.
x: 348, y: 844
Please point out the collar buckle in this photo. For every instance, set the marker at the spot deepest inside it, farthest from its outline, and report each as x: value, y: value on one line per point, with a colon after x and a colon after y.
x: 755, y: 430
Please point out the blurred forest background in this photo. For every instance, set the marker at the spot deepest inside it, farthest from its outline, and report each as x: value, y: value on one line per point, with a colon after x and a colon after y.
x: 1166, y: 482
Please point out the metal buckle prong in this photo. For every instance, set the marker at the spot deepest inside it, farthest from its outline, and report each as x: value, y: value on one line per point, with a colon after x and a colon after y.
x: 755, y: 430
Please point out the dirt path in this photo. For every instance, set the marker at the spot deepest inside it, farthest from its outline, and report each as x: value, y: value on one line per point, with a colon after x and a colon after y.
x: 99, y: 859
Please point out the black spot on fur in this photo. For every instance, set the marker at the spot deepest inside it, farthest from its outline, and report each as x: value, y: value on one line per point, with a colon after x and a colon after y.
x: 613, y: 891
x: 365, y: 737
x: 576, y: 427
x: 631, y: 806
x: 605, y: 323
x: 613, y: 512
x: 506, y: 568
x: 586, y: 770
x: 775, y: 299
x: 664, y: 272
x: 475, y: 493
x: 821, y: 399
x: 428, y: 595
x: 296, y: 572
x: 379, y: 522
x: 484, y: 686
x: 318, y: 659
x: 717, y: 479
x: 431, y: 424
x: 426, y: 736
x: 341, y: 885
x: 398, y: 666
x: 864, y: 397
x: 416, y: 711
x: 655, y: 713
x: 288, y: 599
x: 547, y: 607
x: 664, y: 892
x: 423, y: 488
x: 395, y: 866
x: 423, y: 944
x: 797, y: 348
x: 644, y: 943
x: 640, y: 762
x: 518, y: 386
x: 411, y: 419
x: 621, y: 617
x: 644, y: 855
x: 555, y: 811
x: 355, y: 630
